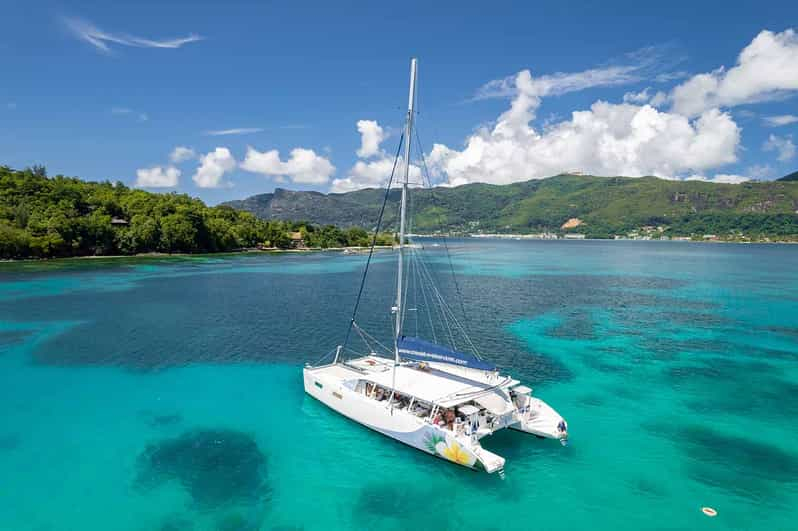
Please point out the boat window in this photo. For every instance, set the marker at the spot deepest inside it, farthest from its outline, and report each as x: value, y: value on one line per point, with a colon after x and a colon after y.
x: 318, y: 385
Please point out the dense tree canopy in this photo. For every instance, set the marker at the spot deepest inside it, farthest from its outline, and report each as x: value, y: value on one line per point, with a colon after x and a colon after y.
x: 62, y: 216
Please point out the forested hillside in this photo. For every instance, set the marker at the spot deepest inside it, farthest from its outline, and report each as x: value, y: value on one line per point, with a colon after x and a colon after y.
x: 606, y: 206
x: 62, y: 216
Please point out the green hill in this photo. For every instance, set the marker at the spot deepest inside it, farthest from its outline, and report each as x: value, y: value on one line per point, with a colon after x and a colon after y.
x: 47, y: 217
x: 791, y: 177
x: 605, y: 205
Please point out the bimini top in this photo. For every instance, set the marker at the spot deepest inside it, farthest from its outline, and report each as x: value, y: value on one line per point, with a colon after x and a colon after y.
x: 417, y: 349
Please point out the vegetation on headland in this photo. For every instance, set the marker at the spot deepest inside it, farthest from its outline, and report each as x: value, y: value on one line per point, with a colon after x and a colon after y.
x: 42, y: 217
x: 606, y: 207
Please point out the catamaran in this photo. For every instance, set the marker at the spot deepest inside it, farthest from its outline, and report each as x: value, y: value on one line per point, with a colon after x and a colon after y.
x: 440, y: 399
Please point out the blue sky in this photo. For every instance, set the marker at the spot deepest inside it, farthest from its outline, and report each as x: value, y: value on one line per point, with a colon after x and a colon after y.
x: 108, y: 91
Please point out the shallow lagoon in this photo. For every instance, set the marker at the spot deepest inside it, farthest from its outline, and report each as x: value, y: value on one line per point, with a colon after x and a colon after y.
x: 166, y: 393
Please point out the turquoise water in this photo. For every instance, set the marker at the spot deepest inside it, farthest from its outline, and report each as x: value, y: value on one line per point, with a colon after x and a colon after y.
x: 166, y: 394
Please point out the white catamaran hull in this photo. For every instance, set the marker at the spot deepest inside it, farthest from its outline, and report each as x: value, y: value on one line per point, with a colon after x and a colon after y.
x: 397, y: 424
x: 434, y: 398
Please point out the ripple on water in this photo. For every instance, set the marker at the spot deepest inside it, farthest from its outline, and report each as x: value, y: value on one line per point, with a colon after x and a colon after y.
x: 215, y: 466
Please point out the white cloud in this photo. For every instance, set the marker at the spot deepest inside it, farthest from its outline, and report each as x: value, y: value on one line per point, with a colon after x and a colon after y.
x: 766, y: 68
x: 373, y: 173
x: 671, y: 76
x: 607, y: 139
x: 11, y: 106
x: 304, y: 165
x: 759, y: 171
x: 658, y: 99
x: 559, y: 83
x: 140, y: 116
x: 182, y: 154
x: 782, y: 145
x: 157, y: 177
x: 371, y: 136
x: 213, y: 166
x: 721, y: 178
x: 778, y: 121
x: 638, y: 97
x: 635, y: 66
x: 236, y: 131
x: 100, y: 39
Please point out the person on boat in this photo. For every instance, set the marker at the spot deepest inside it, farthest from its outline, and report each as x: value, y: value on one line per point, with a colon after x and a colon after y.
x: 380, y: 394
x: 369, y: 388
x: 449, y: 418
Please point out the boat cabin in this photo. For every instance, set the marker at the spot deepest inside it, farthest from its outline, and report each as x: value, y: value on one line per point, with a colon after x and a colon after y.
x: 457, y: 404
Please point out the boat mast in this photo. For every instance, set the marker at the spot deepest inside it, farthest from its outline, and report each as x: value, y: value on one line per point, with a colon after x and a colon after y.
x: 408, y: 136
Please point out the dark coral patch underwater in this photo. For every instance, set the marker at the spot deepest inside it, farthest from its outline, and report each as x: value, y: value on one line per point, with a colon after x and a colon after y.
x: 215, y: 466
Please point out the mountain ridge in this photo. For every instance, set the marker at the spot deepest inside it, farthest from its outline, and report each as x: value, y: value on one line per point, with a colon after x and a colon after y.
x: 606, y: 206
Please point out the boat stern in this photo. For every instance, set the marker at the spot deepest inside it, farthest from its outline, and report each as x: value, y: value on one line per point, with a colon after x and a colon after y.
x: 540, y: 419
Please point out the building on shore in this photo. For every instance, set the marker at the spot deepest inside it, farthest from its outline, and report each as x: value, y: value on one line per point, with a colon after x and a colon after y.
x: 297, y: 241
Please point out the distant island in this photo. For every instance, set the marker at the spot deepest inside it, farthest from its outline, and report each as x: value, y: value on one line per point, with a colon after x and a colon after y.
x: 50, y: 217
x: 43, y: 217
x: 570, y: 206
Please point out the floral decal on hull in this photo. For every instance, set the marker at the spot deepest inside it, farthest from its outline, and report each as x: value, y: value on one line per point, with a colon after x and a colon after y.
x: 449, y: 448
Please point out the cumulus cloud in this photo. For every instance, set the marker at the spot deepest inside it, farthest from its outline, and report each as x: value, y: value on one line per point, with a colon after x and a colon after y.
x: 157, y: 177
x: 371, y: 136
x: 766, y: 68
x: 778, y: 121
x: 235, y: 131
x: 182, y: 154
x: 303, y: 166
x: 213, y: 166
x: 607, y: 139
x: 100, y: 39
x: 783, y: 146
x: 373, y: 173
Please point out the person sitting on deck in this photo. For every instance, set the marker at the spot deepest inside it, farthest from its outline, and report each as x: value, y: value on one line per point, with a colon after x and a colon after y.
x: 449, y: 418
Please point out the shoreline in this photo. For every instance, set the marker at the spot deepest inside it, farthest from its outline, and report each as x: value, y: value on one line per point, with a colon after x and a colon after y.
x: 274, y: 250
x: 364, y: 250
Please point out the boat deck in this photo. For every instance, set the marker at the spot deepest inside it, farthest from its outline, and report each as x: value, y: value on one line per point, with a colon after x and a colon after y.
x: 430, y: 385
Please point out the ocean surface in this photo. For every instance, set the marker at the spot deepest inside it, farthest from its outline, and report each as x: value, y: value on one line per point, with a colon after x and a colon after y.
x: 166, y: 393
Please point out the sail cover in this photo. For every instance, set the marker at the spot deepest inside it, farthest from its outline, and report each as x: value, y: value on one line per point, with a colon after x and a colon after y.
x: 417, y: 349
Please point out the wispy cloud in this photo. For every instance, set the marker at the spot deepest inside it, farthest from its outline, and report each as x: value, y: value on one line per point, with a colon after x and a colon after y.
x: 777, y: 121
x: 140, y: 116
x: 631, y: 68
x: 11, y: 105
x: 236, y: 131
x: 102, y: 40
x: 671, y: 76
